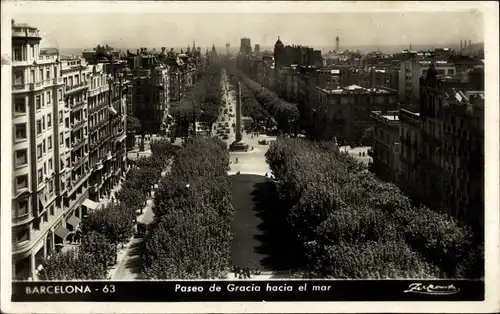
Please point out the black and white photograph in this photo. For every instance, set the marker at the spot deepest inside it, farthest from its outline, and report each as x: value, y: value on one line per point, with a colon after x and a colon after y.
x: 280, y: 155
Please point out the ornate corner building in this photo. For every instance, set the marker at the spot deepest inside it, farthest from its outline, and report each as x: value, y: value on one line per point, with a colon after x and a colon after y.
x: 69, y: 122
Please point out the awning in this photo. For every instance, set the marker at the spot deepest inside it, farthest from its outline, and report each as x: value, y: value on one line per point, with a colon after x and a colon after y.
x: 90, y: 204
x: 112, y: 110
x: 73, y: 220
x: 61, y: 232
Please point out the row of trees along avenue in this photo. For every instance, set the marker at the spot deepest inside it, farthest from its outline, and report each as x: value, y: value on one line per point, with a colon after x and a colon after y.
x: 351, y: 225
x: 103, y: 230
x: 193, y: 213
x: 261, y: 104
x: 204, y: 98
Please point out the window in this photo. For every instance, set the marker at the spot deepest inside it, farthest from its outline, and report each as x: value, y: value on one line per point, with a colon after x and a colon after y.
x: 59, y: 95
x: 49, y: 120
x: 20, y: 131
x: 21, y: 157
x: 32, y: 77
x: 61, y: 139
x: 45, y: 168
x: 47, y: 74
x: 32, y: 51
x: 49, y: 142
x: 60, y: 116
x: 41, y: 74
x: 43, y: 123
x: 38, y: 102
x: 23, y: 235
x: 51, y: 186
x: 18, y: 56
x: 38, y: 127
x: 451, y: 72
x: 66, y: 123
x: 55, y: 71
x: 44, y: 148
x: 39, y: 152
x: 21, y: 182
x: 22, y: 207
x: 20, y: 104
x: 40, y: 176
x: 49, y: 96
x: 18, y: 77
x: 50, y: 164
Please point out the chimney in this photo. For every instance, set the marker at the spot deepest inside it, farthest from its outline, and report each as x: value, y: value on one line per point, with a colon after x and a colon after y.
x: 461, y: 46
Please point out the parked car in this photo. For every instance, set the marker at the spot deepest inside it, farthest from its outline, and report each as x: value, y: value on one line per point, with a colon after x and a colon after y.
x: 141, y: 230
x: 263, y: 142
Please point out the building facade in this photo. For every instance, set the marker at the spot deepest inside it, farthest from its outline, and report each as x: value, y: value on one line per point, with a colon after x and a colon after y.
x: 344, y: 113
x: 386, y: 145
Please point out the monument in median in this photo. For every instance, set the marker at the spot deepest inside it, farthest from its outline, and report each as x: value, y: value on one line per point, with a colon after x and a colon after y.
x: 238, y: 144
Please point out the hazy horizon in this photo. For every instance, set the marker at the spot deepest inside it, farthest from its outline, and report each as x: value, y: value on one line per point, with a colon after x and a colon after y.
x: 126, y: 30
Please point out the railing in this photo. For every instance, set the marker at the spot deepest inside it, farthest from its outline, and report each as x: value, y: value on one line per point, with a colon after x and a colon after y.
x: 98, y: 125
x: 77, y: 163
x: 98, y: 107
x: 78, y: 104
x: 78, y: 123
x: 77, y: 143
x: 76, y: 87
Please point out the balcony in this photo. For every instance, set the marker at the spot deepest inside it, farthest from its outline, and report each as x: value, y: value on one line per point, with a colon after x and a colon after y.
x: 78, y: 105
x: 68, y: 90
x: 76, y: 124
x: 79, y: 161
x: 98, y: 107
x: 98, y: 125
x: 78, y: 142
x: 57, y: 81
x: 76, y: 182
x: 98, y: 165
x: 98, y: 90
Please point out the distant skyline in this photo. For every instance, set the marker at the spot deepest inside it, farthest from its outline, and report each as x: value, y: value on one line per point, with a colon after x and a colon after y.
x: 126, y: 30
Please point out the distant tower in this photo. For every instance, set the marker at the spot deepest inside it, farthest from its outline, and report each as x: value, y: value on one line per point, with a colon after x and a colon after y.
x: 278, y: 53
x: 257, y: 49
x: 337, y: 44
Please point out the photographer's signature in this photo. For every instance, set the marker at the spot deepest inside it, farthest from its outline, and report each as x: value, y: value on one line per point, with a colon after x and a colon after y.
x: 432, y: 289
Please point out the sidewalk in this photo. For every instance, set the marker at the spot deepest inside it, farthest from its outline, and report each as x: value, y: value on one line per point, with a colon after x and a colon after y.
x: 120, y: 271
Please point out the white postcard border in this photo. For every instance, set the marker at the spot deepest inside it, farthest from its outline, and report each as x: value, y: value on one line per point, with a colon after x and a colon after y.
x: 491, y: 22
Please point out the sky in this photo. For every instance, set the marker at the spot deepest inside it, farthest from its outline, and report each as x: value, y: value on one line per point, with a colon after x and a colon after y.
x: 132, y: 30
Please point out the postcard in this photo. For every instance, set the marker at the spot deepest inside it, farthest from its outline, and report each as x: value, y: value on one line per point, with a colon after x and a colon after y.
x: 216, y: 157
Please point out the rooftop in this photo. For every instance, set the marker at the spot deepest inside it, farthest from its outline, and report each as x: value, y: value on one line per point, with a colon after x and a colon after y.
x: 391, y: 116
x: 356, y: 89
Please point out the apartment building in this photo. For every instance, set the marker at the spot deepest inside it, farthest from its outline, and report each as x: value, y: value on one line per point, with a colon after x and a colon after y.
x: 107, y: 106
x: 76, y: 75
x: 344, y: 113
x: 451, y: 159
x: 412, y: 69
x: 38, y: 189
x: 386, y: 144
x: 409, y: 137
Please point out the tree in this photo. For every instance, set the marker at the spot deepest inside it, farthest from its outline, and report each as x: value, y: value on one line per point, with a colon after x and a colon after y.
x: 97, y: 245
x: 131, y: 198
x: 71, y: 265
x: 337, y: 209
x: 192, y: 238
x: 367, y: 137
x: 115, y: 222
x: 133, y: 125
